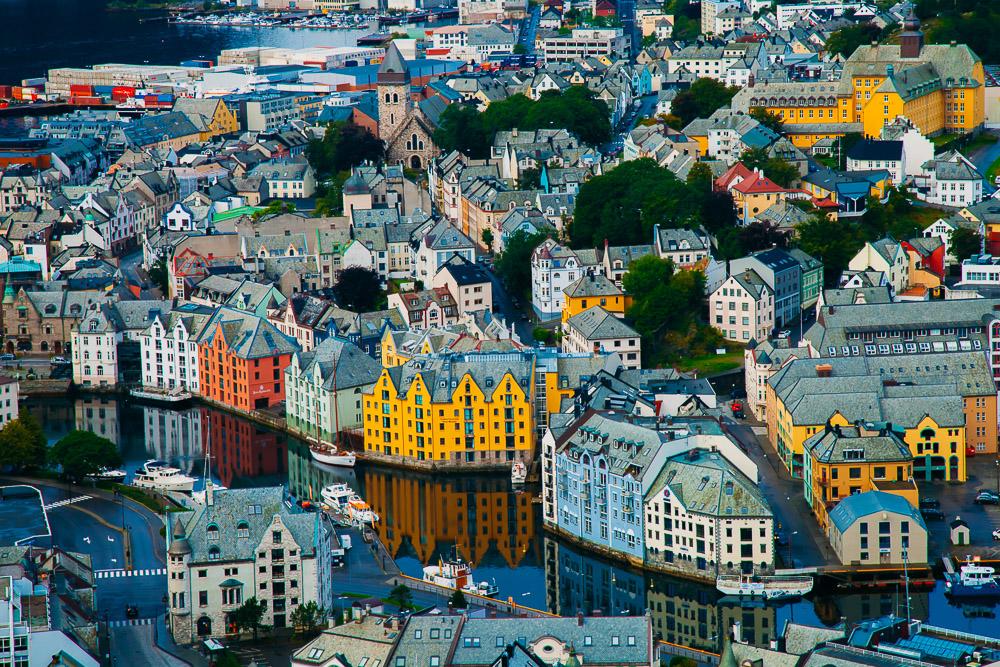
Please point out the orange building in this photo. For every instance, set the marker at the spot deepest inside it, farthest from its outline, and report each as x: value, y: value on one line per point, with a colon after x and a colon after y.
x: 242, y: 360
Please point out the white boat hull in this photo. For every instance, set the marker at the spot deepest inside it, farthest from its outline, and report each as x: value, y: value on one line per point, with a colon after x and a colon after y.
x: 767, y: 588
x: 182, y: 486
x: 340, y: 459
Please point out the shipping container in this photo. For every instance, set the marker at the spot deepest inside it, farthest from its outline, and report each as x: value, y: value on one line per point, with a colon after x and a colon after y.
x: 85, y: 100
x: 126, y: 91
x: 80, y: 89
x: 36, y: 82
x: 6, y: 91
x: 202, y: 64
x: 103, y: 90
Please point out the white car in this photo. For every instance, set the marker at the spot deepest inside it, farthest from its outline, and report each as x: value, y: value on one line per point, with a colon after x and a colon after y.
x: 996, y: 534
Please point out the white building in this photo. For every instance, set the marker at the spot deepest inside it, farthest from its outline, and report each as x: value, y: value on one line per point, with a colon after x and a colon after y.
x: 867, y: 155
x: 437, y: 246
x: 468, y: 283
x: 244, y: 543
x: 9, y: 396
x: 169, y: 349
x: 179, y: 218
x: 95, y: 349
x: 555, y: 267
x: 943, y: 228
x: 980, y: 271
x: 710, y: 9
x: 686, y: 248
x: 789, y: 14
x: 742, y: 308
x: 585, y: 43
x: 596, y: 330
x: 888, y: 257
x: 949, y: 180
x: 760, y: 362
x: 917, y: 149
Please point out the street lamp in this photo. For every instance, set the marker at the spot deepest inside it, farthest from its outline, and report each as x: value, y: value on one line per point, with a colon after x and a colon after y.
x: 791, y: 562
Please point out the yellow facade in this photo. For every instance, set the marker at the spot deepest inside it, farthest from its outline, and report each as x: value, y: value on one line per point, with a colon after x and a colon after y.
x: 616, y: 304
x: 475, y: 425
x: 831, y: 482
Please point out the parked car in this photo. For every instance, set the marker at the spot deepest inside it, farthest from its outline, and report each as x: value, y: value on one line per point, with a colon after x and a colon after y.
x: 929, y: 503
x: 60, y: 361
x: 987, y: 498
x: 996, y: 534
x: 737, y: 408
x: 787, y: 333
x: 932, y: 514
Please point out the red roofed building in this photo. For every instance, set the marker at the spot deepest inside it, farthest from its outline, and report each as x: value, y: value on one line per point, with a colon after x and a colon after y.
x: 604, y: 8
x: 752, y: 191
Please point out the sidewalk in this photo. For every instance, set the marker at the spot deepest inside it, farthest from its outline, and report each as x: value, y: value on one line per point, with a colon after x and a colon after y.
x: 165, y: 643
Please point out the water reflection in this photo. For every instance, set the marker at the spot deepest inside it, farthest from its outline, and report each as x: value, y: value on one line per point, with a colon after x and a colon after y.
x: 498, y: 530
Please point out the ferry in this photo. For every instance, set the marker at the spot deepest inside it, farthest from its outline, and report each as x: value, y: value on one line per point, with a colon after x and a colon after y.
x: 518, y: 473
x: 360, y: 513
x: 331, y: 456
x: 763, y: 587
x: 158, y: 476
x: 972, y: 581
x: 457, y: 575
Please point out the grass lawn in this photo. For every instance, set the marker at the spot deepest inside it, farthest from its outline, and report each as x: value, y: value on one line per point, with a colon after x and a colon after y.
x: 924, y: 216
x: 713, y: 363
x: 943, y: 139
x: 993, y: 171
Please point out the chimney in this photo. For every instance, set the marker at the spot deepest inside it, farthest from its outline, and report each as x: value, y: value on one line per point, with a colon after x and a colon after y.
x: 824, y: 370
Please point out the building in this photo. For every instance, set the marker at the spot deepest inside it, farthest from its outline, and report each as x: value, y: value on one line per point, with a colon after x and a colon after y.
x: 841, y: 461
x: 595, y: 330
x: 286, y: 178
x: 368, y: 639
x: 324, y: 387
x: 554, y: 267
x: 468, y: 283
x: 943, y: 228
x: 943, y: 404
x: 877, y: 528
x: 585, y: 43
x: 980, y: 271
x: 811, y: 270
x: 407, y: 133
x: 438, y: 245
x: 434, y: 307
x: 467, y: 409
x: 950, y: 179
x: 761, y: 360
x: 782, y: 273
x: 242, y: 358
x: 887, y: 256
x: 169, y: 349
x: 686, y: 248
x: 593, y: 289
x: 95, y: 349
x: 742, y: 307
x: 9, y: 397
x: 705, y: 517
x: 244, y: 543
x: 869, y: 154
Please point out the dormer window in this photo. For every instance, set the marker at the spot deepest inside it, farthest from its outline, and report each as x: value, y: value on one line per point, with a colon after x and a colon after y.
x: 214, y: 553
x: 243, y: 529
x: 213, y: 531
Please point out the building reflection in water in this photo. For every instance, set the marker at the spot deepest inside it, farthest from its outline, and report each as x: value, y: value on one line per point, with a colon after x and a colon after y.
x: 855, y: 607
x: 100, y: 415
x: 243, y: 453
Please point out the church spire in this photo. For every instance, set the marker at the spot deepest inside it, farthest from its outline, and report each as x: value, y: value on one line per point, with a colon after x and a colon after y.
x: 393, y: 69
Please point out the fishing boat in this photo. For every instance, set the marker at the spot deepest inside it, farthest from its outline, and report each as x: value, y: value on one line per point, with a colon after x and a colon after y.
x: 456, y: 574
x: 337, y: 495
x: 158, y: 476
x: 332, y: 456
x: 360, y: 513
x: 518, y: 473
x: 972, y: 581
x: 764, y: 587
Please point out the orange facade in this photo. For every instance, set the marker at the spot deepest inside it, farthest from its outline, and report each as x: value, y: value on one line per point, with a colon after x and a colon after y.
x: 240, y: 383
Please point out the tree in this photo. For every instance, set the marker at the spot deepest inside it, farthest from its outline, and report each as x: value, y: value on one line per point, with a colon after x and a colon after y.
x: 530, y: 179
x: 159, y: 275
x: 717, y: 211
x: 768, y: 119
x: 307, y: 617
x: 82, y: 454
x: 358, y: 289
x: 760, y: 236
x: 964, y: 243
x: 22, y: 443
x: 780, y: 171
x: 701, y: 100
x: 460, y: 128
x: 700, y: 177
x: 847, y: 40
x: 457, y: 600
x: 401, y: 595
x: 513, y: 264
x: 250, y: 616
x: 831, y: 241
x: 343, y: 146
x: 519, y: 49
x: 487, y: 238
x: 622, y: 205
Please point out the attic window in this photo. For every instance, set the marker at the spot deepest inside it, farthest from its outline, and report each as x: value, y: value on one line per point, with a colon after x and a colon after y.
x: 213, y: 531
x: 243, y: 529
x: 253, y: 509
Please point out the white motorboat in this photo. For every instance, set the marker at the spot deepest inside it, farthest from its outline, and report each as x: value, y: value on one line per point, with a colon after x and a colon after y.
x: 158, y: 476
x: 360, y: 513
x: 332, y: 456
x: 109, y: 475
x: 457, y: 574
x: 763, y: 587
x: 518, y: 473
x: 337, y: 495
x: 171, y: 396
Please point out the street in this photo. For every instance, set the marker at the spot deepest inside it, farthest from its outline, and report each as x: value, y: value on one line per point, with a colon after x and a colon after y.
x: 529, y: 28
x: 135, y: 645
x: 504, y: 305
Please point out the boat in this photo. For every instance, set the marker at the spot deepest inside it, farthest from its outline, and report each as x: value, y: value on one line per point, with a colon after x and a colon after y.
x: 456, y: 574
x: 359, y: 512
x: 764, y: 587
x: 337, y: 495
x: 108, y: 474
x: 158, y: 476
x: 972, y: 581
x: 518, y: 473
x: 332, y: 456
x: 172, y: 396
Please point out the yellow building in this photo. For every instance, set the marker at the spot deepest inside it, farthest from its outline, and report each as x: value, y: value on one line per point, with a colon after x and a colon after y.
x: 845, y: 460
x: 940, y: 87
x: 931, y: 416
x: 210, y: 115
x: 594, y: 290
x: 468, y: 409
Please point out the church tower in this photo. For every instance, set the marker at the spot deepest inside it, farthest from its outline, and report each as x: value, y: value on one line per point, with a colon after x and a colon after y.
x: 911, y: 40
x: 393, y: 87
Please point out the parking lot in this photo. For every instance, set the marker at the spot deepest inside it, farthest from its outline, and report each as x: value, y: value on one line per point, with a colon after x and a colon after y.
x: 958, y: 500
x: 22, y: 515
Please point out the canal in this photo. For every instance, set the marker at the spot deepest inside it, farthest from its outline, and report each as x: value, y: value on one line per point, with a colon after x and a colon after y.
x: 497, y: 529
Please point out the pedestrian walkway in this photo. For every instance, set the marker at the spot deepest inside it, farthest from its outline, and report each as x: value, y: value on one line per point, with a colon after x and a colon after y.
x: 131, y: 622
x: 68, y: 501
x: 111, y: 574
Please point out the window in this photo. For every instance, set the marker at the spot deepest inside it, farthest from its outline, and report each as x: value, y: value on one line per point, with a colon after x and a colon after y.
x: 202, y: 598
x: 213, y: 553
x: 616, y: 640
x: 213, y: 532
x: 243, y: 529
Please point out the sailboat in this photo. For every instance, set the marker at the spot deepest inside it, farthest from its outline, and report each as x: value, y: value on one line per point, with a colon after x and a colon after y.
x: 332, y: 454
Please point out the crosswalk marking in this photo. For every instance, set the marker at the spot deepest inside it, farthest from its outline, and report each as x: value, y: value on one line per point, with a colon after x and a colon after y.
x: 112, y: 574
x: 131, y: 622
x: 68, y: 501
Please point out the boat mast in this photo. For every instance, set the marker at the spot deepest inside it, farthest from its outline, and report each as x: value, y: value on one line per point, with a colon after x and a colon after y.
x: 906, y: 583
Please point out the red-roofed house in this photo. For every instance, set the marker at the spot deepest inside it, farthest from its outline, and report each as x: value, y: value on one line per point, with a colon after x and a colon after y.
x: 752, y: 191
x: 604, y: 8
